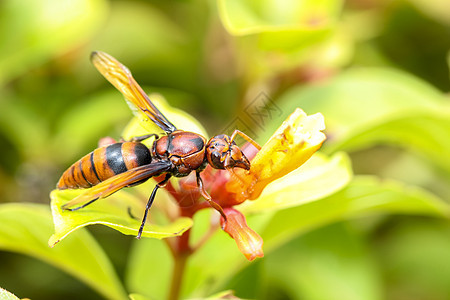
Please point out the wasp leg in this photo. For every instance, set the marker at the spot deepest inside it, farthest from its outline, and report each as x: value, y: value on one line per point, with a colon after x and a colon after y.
x: 208, y: 197
x: 79, y: 207
x: 150, y: 202
x: 143, y: 137
x: 246, y: 137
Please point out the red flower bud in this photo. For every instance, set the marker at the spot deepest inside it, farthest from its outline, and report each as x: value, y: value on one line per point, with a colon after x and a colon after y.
x: 247, y: 240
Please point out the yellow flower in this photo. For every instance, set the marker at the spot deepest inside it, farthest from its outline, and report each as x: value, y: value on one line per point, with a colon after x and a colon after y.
x: 294, y: 142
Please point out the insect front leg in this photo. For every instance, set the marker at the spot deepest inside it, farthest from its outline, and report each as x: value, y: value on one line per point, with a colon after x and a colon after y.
x: 246, y: 137
x: 208, y: 198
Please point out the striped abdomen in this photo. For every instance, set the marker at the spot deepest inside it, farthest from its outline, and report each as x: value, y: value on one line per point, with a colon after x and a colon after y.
x: 104, y: 163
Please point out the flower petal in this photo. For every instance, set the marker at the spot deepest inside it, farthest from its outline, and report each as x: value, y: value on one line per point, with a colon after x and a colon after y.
x: 290, y: 146
x: 319, y: 177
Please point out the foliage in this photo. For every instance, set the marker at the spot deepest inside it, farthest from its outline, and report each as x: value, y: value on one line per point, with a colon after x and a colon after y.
x: 366, y: 217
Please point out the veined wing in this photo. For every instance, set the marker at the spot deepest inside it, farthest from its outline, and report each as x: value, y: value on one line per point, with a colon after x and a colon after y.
x: 119, y: 76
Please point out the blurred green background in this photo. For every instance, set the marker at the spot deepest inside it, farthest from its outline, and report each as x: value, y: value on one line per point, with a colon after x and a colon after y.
x: 377, y: 70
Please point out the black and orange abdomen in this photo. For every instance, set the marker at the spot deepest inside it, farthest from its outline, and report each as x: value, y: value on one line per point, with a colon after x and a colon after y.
x: 104, y: 163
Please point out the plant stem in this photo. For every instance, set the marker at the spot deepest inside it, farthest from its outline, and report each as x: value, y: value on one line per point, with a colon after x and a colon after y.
x: 177, y: 275
x: 181, y: 253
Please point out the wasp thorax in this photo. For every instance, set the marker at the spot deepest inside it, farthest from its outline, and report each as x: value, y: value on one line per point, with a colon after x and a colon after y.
x: 222, y: 153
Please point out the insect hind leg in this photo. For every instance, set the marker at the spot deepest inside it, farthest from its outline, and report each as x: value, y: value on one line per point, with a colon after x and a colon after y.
x: 143, y: 137
x: 79, y: 207
x: 149, y: 204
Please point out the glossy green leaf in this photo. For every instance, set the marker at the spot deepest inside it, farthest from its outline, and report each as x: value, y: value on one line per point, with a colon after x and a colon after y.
x: 121, y: 211
x: 25, y: 228
x: 317, y: 178
x: 280, y: 25
x: 335, y: 257
x: 423, y: 133
x: 362, y: 197
x: 365, y: 195
x: 34, y: 31
x: 363, y: 107
x: 5, y: 295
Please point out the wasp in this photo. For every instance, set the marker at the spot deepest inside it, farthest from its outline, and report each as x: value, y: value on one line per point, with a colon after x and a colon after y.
x: 110, y: 168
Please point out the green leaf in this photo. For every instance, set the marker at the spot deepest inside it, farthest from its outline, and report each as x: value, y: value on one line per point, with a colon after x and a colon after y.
x: 423, y: 133
x: 335, y: 257
x: 363, y: 107
x: 280, y: 25
x: 365, y: 195
x: 5, y: 295
x: 34, y: 31
x: 317, y: 178
x: 116, y: 211
x: 25, y: 228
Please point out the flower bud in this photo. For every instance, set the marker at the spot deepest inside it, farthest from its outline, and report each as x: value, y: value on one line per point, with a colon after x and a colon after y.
x: 247, y: 240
